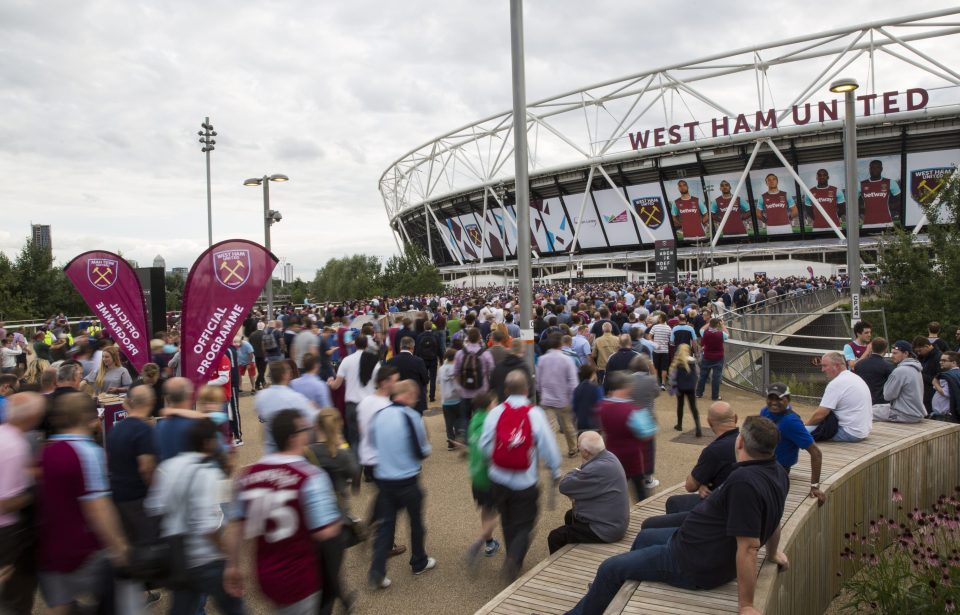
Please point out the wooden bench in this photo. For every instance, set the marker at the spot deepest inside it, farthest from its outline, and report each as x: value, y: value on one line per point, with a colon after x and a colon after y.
x: 922, y: 460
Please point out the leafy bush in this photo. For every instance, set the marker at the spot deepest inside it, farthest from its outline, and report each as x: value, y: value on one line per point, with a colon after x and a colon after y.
x: 911, y: 560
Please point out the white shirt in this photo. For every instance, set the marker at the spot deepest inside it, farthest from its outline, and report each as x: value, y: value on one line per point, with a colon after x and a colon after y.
x: 365, y: 411
x: 349, y: 370
x: 849, y: 398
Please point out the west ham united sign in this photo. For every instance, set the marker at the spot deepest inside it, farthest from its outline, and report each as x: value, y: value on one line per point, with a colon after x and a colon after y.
x: 101, y: 272
x: 232, y: 267
x: 925, y: 184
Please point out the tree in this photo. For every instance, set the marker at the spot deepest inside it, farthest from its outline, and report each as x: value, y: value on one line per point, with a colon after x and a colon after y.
x: 350, y: 277
x: 923, y: 279
x: 174, y: 284
x: 411, y: 273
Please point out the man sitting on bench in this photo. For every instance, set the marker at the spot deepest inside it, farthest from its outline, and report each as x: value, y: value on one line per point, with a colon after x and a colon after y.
x: 717, y: 460
x: 720, y: 538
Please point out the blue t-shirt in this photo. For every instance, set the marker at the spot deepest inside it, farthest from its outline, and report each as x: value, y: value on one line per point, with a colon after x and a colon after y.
x: 793, y: 436
x: 129, y: 439
x: 172, y: 436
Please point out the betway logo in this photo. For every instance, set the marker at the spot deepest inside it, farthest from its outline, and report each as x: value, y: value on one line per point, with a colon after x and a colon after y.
x: 874, y: 195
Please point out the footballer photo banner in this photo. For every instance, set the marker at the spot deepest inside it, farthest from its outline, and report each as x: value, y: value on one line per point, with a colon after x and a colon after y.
x: 109, y: 285
x: 220, y: 290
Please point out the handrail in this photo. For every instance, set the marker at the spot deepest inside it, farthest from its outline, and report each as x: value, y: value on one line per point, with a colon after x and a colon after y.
x: 780, y: 349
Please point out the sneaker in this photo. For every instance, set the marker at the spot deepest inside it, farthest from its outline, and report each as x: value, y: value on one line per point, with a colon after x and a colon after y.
x: 491, y: 547
x: 397, y: 550
x: 572, y: 452
x: 383, y: 584
x: 651, y: 483
x: 152, y: 598
x: 663, y: 387
x: 238, y: 442
x: 472, y: 552
x: 430, y: 565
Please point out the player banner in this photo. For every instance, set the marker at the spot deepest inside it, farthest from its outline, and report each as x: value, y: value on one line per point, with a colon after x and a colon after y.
x: 109, y: 285
x: 221, y: 288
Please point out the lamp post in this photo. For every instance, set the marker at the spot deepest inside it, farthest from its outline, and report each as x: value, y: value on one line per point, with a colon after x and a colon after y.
x: 206, y: 138
x: 847, y: 87
x: 270, y: 216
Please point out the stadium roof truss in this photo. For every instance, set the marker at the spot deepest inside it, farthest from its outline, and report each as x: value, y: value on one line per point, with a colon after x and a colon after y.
x: 588, y: 128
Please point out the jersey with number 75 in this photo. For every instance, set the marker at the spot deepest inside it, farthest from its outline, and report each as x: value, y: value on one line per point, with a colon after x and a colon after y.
x: 282, y: 501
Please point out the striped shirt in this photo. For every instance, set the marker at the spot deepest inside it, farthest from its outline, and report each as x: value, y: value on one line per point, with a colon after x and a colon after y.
x: 661, y: 337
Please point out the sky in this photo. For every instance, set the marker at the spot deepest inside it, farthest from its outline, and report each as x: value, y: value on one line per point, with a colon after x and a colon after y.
x: 102, y: 100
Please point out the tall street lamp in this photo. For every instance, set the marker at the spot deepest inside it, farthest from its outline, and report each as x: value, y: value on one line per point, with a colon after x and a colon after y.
x: 270, y: 216
x: 206, y: 138
x: 847, y: 87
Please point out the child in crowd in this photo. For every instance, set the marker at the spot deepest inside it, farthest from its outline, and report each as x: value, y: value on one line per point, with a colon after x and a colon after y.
x: 585, y: 398
x: 480, y: 481
x: 451, y: 398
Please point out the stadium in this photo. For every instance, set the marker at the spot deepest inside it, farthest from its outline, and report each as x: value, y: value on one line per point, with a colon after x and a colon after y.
x: 736, y: 157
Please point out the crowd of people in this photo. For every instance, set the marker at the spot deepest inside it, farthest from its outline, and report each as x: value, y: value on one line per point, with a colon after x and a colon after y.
x: 340, y: 391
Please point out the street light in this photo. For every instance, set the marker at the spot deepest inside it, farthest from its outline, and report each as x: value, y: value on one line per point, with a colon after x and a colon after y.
x: 206, y: 138
x: 270, y: 217
x: 847, y: 87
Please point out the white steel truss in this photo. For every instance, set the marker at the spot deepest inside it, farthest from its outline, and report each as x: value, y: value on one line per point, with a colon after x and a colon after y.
x: 594, y: 125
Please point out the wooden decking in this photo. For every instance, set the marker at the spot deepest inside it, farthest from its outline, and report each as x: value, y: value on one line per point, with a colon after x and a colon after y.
x: 922, y: 460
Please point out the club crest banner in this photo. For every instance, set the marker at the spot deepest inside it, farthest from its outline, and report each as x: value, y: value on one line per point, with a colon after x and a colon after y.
x: 110, y: 287
x: 222, y: 286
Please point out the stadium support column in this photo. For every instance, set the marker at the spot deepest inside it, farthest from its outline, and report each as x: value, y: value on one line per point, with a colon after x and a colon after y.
x: 848, y: 88
x: 522, y: 183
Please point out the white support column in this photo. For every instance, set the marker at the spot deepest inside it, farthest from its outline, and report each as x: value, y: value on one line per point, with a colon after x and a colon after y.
x: 583, y: 206
x: 636, y: 216
x: 736, y: 193
x: 513, y: 221
x: 483, y: 228
x: 809, y: 195
x: 443, y: 236
x: 426, y: 225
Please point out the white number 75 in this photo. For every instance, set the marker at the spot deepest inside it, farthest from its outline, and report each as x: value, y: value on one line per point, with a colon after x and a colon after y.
x: 267, y: 504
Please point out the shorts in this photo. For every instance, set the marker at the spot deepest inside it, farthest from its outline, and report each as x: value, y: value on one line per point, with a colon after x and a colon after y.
x: 483, y: 498
x: 661, y: 361
x: 249, y: 369
x: 60, y: 588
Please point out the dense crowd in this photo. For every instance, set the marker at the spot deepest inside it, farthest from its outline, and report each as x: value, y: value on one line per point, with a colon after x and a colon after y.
x: 340, y: 390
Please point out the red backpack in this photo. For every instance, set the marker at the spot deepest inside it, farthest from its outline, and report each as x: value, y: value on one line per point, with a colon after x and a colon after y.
x: 513, y: 439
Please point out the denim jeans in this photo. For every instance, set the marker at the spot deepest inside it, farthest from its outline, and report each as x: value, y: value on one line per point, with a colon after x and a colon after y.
x: 206, y: 580
x: 842, y: 435
x: 397, y: 495
x: 649, y: 559
x: 706, y: 367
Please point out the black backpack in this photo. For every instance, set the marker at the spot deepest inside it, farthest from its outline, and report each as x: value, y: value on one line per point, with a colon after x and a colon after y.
x: 471, y: 370
x: 428, y: 347
x: 270, y: 340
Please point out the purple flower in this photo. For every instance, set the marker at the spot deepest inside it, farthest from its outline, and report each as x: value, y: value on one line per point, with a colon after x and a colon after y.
x: 898, y: 497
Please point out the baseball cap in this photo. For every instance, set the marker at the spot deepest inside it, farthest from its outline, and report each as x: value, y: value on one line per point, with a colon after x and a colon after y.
x: 903, y: 346
x: 778, y: 389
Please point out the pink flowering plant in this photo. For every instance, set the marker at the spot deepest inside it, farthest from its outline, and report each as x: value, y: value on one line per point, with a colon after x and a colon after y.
x: 910, y: 561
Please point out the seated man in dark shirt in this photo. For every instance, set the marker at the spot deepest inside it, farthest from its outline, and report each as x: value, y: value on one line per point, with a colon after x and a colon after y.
x: 720, y: 538
x: 717, y: 460
x: 874, y: 370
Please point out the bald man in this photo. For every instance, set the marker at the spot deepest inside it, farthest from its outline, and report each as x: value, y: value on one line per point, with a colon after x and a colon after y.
x: 717, y: 460
x: 620, y: 360
x: 17, y: 469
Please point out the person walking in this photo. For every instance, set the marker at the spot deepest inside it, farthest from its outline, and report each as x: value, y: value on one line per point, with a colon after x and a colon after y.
x: 711, y: 363
x: 556, y: 382
x: 684, y: 374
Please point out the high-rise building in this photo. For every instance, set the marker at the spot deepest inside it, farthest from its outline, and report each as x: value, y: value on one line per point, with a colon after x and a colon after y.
x: 41, y: 237
x: 159, y: 262
x: 287, y: 273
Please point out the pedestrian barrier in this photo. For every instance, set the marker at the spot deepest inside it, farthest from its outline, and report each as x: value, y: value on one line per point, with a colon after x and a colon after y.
x: 922, y: 460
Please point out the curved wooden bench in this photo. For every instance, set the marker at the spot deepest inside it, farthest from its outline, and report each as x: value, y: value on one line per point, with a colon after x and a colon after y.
x: 922, y: 460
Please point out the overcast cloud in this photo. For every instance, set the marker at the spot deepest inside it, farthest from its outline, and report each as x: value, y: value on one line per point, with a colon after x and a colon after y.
x: 102, y: 100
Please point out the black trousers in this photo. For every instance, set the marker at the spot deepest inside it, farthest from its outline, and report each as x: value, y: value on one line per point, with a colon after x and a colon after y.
x: 432, y: 375
x: 397, y: 495
x: 330, y: 554
x: 518, y: 514
x: 261, y: 372
x: 692, y: 401
x: 18, y: 548
x: 664, y: 521
x: 572, y: 532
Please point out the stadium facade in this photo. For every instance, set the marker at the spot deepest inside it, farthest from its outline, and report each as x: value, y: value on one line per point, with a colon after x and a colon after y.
x: 738, y: 155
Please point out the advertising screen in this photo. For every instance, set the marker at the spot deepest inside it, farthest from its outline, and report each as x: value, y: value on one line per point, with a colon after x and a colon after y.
x: 648, y: 202
x: 719, y: 193
x: 827, y: 182
x: 688, y: 208
x: 927, y: 174
x: 775, y: 201
x: 550, y: 225
x: 880, y: 191
x: 590, y: 235
x: 616, y: 221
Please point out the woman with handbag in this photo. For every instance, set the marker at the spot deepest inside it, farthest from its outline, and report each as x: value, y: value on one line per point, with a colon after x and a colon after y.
x: 331, y: 453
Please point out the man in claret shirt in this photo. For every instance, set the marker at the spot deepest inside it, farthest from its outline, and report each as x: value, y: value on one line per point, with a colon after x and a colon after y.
x: 688, y: 214
x: 776, y: 208
x: 830, y: 199
x: 286, y: 505
x: 736, y: 221
x: 879, y: 198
